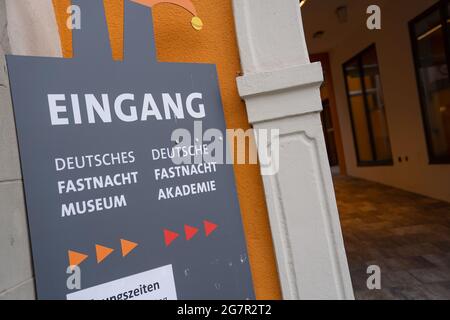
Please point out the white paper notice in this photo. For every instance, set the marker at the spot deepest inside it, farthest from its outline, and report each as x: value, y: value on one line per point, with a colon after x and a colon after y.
x: 155, y: 284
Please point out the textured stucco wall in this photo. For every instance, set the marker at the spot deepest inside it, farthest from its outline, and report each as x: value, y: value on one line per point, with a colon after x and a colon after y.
x: 15, y: 261
x: 27, y: 27
x: 176, y: 41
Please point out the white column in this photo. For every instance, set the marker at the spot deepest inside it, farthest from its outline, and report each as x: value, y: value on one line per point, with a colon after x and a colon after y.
x: 281, y: 90
x: 32, y: 28
x: 27, y: 27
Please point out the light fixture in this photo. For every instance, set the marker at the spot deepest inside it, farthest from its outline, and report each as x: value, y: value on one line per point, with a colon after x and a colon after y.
x: 341, y: 13
x: 302, y: 2
x: 318, y: 34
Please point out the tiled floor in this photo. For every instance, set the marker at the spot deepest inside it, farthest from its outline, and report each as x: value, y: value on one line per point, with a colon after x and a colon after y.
x: 406, y: 235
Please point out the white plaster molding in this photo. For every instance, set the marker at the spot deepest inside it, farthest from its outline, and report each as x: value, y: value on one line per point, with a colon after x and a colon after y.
x: 287, y: 87
x: 265, y: 82
x: 281, y: 90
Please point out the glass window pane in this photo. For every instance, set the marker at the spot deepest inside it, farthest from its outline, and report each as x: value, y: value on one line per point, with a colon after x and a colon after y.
x: 359, y: 117
x: 367, y: 109
x: 434, y: 82
x: 375, y: 105
x: 361, y: 128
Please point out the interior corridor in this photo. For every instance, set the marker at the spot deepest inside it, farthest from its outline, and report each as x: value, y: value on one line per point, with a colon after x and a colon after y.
x: 405, y: 234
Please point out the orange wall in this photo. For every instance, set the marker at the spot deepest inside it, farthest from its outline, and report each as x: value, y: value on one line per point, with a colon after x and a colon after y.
x: 176, y: 41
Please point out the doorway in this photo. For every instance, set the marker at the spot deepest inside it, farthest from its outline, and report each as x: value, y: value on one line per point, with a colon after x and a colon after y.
x: 328, y: 132
x: 329, y: 116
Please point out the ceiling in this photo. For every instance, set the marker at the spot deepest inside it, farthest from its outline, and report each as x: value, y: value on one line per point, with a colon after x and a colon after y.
x: 319, y: 15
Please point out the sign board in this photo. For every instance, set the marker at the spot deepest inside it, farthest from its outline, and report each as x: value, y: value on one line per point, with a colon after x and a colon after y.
x: 103, y: 193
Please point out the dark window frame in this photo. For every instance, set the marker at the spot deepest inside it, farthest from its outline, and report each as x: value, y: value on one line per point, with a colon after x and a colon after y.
x: 441, y: 5
x: 364, y: 163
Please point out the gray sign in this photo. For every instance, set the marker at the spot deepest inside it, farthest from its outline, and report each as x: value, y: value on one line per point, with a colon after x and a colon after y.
x: 102, y: 192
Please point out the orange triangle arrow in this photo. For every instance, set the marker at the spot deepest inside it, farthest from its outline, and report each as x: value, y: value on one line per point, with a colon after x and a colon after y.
x: 127, y: 246
x: 102, y: 252
x: 75, y: 258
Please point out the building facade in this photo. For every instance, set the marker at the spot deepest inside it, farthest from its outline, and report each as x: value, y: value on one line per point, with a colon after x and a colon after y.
x: 290, y: 219
x: 406, y: 142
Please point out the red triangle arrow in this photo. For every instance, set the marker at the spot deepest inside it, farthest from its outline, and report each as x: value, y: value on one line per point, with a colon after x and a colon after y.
x: 190, y: 231
x: 209, y: 227
x: 169, y: 236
